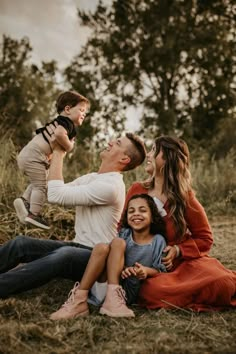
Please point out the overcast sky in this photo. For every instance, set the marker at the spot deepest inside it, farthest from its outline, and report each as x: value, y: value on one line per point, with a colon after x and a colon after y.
x: 51, y: 25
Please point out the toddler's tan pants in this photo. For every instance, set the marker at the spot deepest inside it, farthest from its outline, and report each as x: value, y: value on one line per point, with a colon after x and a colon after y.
x: 34, y: 163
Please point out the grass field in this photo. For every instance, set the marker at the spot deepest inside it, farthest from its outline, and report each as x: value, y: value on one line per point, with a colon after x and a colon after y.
x: 25, y: 326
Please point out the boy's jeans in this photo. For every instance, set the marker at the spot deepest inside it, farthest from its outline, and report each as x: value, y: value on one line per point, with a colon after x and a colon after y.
x: 45, y: 260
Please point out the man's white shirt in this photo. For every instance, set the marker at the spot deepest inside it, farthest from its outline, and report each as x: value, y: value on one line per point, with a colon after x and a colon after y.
x: 99, y: 201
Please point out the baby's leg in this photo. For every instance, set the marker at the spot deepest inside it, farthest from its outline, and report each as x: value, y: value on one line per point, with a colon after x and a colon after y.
x: 22, y: 204
x: 27, y: 193
x: 37, y: 174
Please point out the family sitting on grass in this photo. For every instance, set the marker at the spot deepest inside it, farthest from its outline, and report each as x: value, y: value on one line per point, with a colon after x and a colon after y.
x: 156, y: 257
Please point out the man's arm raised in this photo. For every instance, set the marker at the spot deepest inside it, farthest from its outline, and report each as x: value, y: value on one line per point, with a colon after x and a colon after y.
x: 55, y: 170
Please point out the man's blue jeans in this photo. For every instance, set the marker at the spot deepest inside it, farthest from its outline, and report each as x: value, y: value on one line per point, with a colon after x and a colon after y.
x: 44, y: 260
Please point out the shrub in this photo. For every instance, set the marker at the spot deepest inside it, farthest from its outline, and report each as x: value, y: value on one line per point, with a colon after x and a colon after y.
x: 214, y: 182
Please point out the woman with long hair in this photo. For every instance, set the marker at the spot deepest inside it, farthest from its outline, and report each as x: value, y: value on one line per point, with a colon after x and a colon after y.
x: 194, y: 279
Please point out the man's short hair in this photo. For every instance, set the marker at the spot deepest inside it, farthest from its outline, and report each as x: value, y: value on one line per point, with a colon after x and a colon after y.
x: 136, y: 153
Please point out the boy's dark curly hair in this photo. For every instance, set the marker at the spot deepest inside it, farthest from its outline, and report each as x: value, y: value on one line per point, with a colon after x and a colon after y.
x: 157, y: 225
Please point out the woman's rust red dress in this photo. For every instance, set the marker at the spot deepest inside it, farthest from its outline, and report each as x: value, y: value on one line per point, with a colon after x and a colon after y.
x: 197, y: 281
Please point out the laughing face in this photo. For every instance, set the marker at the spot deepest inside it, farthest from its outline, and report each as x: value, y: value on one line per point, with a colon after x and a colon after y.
x: 116, y: 149
x: 77, y: 113
x: 154, y: 161
x: 139, y: 215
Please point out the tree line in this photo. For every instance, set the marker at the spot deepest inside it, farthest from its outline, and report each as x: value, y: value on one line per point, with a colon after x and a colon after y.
x: 173, y: 61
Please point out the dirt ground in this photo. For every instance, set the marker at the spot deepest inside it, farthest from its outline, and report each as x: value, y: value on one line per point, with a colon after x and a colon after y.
x: 25, y: 326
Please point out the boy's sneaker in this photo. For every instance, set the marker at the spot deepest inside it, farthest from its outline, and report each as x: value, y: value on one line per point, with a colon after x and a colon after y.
x: 37, y: 220
x: 22, y: 208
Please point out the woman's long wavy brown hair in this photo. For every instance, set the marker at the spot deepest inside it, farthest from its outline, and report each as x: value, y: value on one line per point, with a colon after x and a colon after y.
x: 177, y: 178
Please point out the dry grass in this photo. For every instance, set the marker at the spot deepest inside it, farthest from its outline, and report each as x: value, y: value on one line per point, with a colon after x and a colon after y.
x: 60, y: 219
x: 25, y: 326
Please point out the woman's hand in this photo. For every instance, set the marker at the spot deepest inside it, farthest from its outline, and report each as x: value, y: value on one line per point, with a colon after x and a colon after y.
x: 171, y: 255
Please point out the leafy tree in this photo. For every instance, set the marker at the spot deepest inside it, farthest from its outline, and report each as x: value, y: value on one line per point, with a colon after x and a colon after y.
x: 174, y: 59
x: 26, y: 91
x: 27, y: 100
x: 103, y: 117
